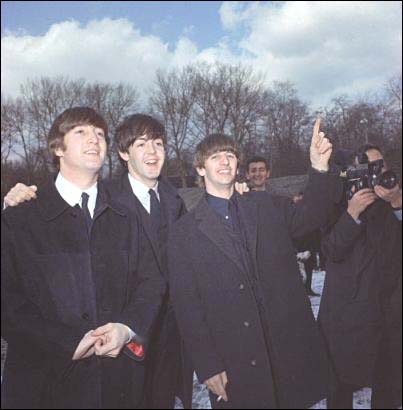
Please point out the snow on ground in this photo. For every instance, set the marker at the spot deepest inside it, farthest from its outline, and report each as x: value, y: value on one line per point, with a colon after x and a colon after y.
x: 362, y: 398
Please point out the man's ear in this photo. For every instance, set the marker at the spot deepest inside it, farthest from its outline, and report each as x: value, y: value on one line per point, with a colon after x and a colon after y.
x: 201, y: 171
x: 59, y: 152
x: 268, y: 174
x: 124, y: 155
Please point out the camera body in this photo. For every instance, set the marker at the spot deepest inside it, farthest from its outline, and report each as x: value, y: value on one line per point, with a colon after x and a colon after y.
x: 364, y: 174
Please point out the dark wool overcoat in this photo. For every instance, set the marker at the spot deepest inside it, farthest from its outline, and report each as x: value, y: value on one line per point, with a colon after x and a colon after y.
x: 57, y: 283
x: 168, y: 371
x: 277, y: 360
x: 361, y: 307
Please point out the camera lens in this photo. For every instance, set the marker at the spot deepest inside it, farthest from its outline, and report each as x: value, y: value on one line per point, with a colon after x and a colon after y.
x: 388, y: 180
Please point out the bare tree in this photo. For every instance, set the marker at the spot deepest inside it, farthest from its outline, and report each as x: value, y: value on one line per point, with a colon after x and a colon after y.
x: 26, y: 120
x: 173, y: 100
x: 229, y: 100
x: 197, y: 101
x: 113, y: 102
x: 375, y: 119
x: 212, y: 105
x: 7, y: 129
x: 204, y: 99
x: 394, y: 91
x: 392, y: 112
x: 287, y: 125
x: 246, y: 96
x: 43, y: 99
x: 24, y: 147
x: 21, y: 156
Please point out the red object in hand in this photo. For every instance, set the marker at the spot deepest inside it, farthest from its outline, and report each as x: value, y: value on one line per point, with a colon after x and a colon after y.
x: 136, y: 349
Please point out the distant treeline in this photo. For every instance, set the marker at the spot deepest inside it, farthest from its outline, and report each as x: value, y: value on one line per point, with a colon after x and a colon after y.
x: 272, y: 121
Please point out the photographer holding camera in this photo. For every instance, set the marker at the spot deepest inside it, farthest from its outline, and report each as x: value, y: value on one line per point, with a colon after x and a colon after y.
x: 361, y: 307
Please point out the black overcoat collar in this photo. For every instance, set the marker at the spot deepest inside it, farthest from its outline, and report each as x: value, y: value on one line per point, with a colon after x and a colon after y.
x: 51, y: 204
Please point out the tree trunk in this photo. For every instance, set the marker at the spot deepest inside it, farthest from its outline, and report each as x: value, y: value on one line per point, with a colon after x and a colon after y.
x: 183, y: 174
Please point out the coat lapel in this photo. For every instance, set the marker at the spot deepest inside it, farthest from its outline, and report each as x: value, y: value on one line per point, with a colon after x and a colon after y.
x: 211, y: 226
x: 248, y: 215
x: 171, y: 201
x: 126, y: 196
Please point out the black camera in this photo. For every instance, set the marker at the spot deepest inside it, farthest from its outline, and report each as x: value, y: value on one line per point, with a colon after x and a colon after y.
x: 362, y: 173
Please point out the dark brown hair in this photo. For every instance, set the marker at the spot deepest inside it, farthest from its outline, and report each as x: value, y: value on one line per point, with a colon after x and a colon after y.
x: 212, y: 144
x: 135, y: 126
x: 66, y: 121
x: 257, y: 158
x: 361, y: 152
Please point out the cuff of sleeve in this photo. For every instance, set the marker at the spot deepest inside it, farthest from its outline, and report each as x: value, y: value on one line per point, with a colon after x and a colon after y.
x: 319, y: 171
x: 203, y: 375
x: 131, y: 336
x: 354, y: 225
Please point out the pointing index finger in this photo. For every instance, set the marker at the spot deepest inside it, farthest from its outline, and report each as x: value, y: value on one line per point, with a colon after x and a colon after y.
x: 316, y: 128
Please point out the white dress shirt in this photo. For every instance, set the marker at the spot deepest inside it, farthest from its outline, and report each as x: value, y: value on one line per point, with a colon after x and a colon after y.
x: 141, y: 192
x: 72, y: 193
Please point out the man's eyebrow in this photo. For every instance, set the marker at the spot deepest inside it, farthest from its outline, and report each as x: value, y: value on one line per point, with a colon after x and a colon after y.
x: 143, y: 138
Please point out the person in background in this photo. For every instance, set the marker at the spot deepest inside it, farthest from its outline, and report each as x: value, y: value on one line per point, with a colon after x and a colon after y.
x: 257, y: 173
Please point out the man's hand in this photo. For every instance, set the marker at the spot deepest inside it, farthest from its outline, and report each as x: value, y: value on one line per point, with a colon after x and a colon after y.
x: 20, y: 193
x: 320, y: 150
x: 86, y: 347
x: 116, y: 336
x: 393, y: 196
x: 217, y: 385
x: 360, y: 202
x: 241, y: 187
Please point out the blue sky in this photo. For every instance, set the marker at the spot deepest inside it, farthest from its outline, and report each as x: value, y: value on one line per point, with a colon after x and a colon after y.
x: 166, y: 19
x: 326, y: 49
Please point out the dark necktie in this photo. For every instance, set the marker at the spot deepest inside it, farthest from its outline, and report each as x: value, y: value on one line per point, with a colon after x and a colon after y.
x: 84, y: 207
x: 155, y: 212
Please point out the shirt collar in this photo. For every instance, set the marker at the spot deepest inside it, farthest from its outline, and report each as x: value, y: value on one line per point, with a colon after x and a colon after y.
x: 72, y: 193
x: 140, y: 189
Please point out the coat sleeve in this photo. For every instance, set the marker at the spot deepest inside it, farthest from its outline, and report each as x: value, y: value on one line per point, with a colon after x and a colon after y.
x: 339, y: 242
x: 146, y: 291
x: 22, y: 322
x: 189, y: 310
x: 314, y: 210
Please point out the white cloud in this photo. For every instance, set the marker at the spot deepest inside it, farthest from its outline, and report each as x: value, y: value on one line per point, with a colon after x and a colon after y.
x: 325, y: 48
x: 185, y: 53
x: 105, y: 50
x: 234, y: 13
x: 231, y: 14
